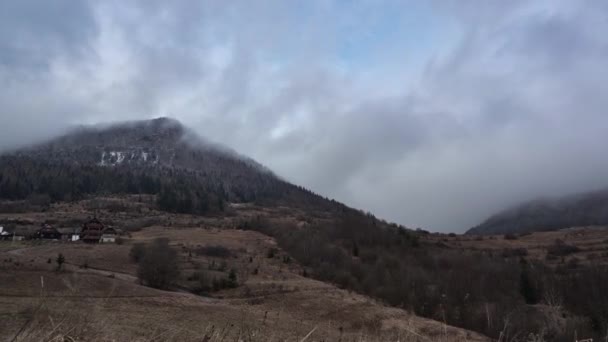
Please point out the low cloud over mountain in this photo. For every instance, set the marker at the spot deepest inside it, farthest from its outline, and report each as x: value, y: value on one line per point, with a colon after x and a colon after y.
x: 432, y: 114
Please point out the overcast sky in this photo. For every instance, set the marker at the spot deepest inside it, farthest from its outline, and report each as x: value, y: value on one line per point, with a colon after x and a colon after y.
x: 432, y: 114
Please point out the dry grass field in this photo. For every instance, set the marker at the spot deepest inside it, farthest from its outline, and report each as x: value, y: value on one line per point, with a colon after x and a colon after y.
x: 97, y: 297
x: 591, y: 244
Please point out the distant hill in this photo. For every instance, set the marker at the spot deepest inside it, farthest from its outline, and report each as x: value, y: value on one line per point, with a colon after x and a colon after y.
x: 160, y: 156
x: 549, y: 214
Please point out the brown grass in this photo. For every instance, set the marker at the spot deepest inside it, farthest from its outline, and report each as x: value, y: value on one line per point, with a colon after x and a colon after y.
x: 592, y: 242
x: 104, y: 302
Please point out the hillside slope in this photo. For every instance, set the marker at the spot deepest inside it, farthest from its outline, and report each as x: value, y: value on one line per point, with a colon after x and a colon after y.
x: 103, y: 301
x: 549, y: 214
x: 141, y: 175
x: 158, y: 156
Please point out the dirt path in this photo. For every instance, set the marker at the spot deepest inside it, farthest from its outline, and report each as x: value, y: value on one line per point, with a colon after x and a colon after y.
x: 127, y: 277
x: 106, y: 273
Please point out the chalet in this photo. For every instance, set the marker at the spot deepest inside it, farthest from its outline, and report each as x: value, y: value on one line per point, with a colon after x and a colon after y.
x: 47, y: 232
x: 109, y: 235
x: 92, y: 231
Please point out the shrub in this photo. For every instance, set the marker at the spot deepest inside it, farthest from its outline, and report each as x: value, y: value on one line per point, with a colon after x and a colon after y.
x: 510, y: 236
x: 271, y: 252
x: 514, y: 252
x: 573, y: 263
x: 203, y: 280
x: 232, y: 276
x: 223, y: 283
x: 137, y: 252
x: 551, y: 257
x: 214, y: 251
x: 222, y: 267
x: 158, y: 267
x: 560, y: 248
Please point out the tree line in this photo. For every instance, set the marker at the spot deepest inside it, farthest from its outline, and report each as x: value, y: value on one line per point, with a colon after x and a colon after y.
x: 178, y: 190
x: 491, y: 294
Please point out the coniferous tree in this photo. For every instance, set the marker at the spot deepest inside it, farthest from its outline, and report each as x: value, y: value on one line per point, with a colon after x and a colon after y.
x: 526, y: 285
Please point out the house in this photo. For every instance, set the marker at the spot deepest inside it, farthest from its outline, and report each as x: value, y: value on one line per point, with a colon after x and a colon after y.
x: 69, y: 234
x: 8, y: 236
x: 92, y: 231
x: 47, y: 232
x: 4, y: 235
x: 109, y: 235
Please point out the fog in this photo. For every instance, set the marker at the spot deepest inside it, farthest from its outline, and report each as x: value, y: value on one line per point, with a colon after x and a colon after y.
x: 432, y: 114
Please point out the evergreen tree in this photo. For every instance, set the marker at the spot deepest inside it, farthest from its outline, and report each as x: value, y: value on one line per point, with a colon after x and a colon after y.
x: 60, y: 261
x: 526, y: 286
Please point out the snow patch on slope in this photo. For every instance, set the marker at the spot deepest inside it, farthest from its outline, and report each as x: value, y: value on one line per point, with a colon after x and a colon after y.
x: 114, y: 158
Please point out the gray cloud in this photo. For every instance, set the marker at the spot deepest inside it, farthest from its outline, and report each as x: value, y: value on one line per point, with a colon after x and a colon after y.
x: 33, y: 33
x: 508, y: 104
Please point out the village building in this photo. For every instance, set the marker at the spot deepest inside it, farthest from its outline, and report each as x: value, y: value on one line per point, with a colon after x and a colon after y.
x: 109, y: 235
x: 92, y: 231
x: 4, y: 235
x: 69, y: 234
x: 47, y: 232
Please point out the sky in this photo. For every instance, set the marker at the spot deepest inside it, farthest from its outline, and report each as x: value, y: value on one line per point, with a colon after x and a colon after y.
x: 432, y: 114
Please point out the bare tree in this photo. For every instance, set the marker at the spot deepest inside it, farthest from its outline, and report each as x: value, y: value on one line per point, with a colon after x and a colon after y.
x: 158, y: 267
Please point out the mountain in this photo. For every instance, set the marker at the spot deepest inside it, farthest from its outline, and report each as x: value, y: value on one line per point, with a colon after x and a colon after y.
x: 130, y: 175
x: 160, y: 156
x: 549, y: 214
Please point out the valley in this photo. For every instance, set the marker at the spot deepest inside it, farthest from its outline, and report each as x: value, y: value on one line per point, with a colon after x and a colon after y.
x: 96, y: 295
x: 144, y: 231
x: 303, y: 171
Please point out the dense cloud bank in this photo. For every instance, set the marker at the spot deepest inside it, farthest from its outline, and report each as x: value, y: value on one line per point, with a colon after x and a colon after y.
x: 432, y: 114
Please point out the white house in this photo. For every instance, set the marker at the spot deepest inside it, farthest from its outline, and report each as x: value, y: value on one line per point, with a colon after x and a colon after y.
x: 108, y: 235
x: 4, y: 233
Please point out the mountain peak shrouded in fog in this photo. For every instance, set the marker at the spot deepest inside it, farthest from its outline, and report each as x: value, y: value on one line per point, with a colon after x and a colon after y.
x: 156, y: 142
x: 429, y: 113
x: 158, y: 156
x: 582, y: 209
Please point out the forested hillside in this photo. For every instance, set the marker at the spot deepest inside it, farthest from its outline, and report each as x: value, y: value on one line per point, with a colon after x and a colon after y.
x: 500, y: 295
x: 497, y: 294
x: 548, y: 214
x: 158, y: 157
